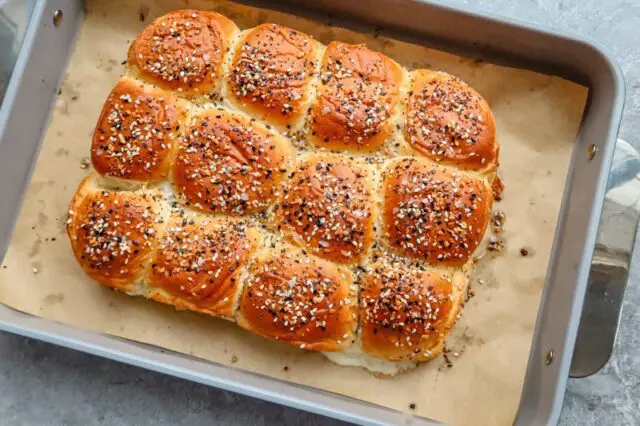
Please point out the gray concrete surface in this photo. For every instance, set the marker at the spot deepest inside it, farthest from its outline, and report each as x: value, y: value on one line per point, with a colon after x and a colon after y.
x: 43, y: 384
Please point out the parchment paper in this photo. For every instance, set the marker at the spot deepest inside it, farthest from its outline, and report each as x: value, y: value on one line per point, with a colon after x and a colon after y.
x: 537, y: 121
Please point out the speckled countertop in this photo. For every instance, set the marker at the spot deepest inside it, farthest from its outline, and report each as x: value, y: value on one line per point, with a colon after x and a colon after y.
x: 43, y: 384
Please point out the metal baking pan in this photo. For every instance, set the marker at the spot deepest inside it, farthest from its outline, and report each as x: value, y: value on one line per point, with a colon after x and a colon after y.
x: 32, y: 88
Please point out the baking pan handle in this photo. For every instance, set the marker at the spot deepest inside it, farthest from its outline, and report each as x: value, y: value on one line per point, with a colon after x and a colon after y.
x: 610, y: 264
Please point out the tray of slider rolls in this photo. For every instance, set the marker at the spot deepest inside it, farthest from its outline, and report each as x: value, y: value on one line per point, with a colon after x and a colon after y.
x: 298, y: 207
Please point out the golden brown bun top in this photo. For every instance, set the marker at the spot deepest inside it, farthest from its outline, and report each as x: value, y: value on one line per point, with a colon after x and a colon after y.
x: 404, y: 313
x: 113, y: 233
x: 183, y: 51
x: 358, y: 91
x: 136, y: 132
x: 434, y: 214
x: 449, y: 121
x: 198, y: 259
x: 197, y: 255
x: 326, y: 206
x: 229, y: 164
x: 299, y: 299
x: 271, y: 71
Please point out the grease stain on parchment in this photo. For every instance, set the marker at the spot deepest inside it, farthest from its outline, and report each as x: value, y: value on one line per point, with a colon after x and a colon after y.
x: 53, y: 299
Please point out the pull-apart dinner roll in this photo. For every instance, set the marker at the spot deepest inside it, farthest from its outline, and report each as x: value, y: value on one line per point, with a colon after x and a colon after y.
x: 183, y: 51
x: 299, y: 299
x: 227, y: 163
x: 198, y: 263
x: 271, y: 73
x: 326, y: 206
x: 136, y: 132
x: 406, y: 314
x: 448, y: 121
x: 358, y: 91
x: 113, y: 234
x: 432, y: 213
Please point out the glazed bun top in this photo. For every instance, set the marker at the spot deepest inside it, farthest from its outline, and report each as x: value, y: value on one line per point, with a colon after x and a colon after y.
x: 183, y: 51
x: 136, y: 132
x: 271, y: 74
x: 433, y: 213
x: 326, y: 206
x: 449, y: 122
x: 229, y: 164
x: 358, y: 92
